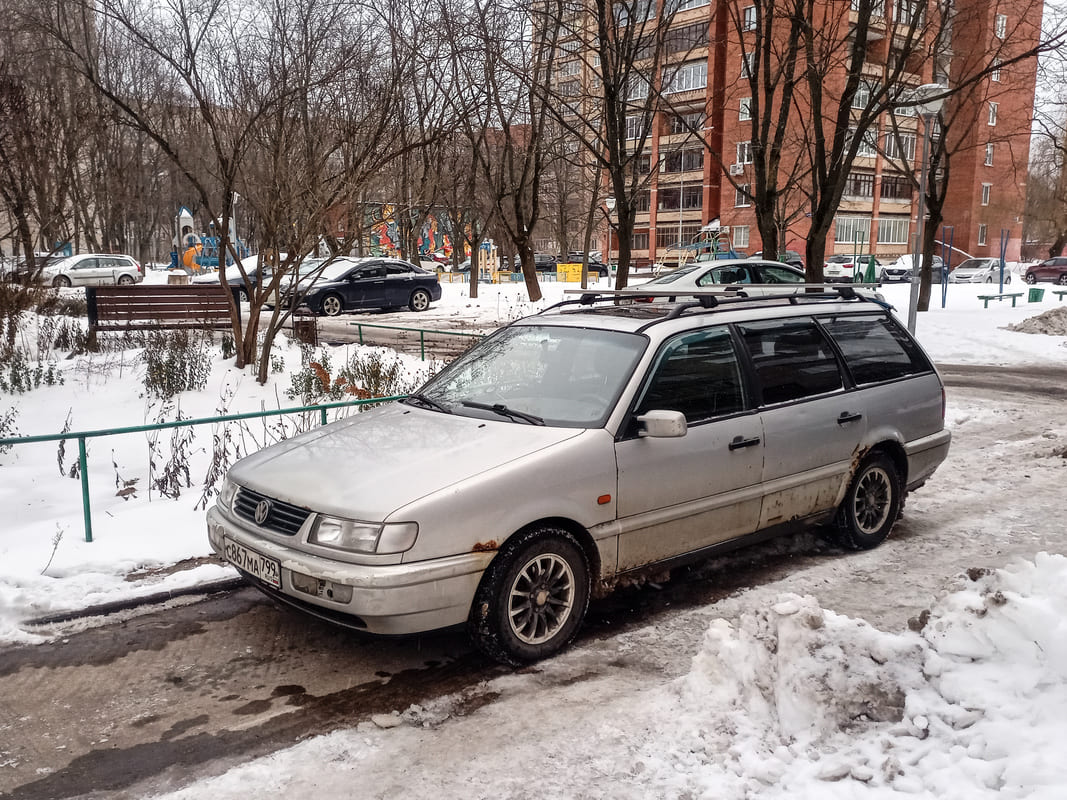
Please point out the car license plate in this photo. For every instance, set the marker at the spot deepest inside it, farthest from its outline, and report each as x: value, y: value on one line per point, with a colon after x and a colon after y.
x: 266, y: 569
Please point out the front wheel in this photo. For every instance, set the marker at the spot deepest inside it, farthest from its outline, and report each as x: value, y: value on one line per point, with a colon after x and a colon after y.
x: 872, y: 504
x: 1031, y: 278
x: 61, y: 282
x: 989, y: 279
x: 420, y: 300
x: 1063, y: 279
x: 332, y: 305
x: 532, y: 598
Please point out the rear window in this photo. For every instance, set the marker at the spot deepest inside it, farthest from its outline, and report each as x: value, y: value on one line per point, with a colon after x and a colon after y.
x: 875, y: 348
x: 792, y: 359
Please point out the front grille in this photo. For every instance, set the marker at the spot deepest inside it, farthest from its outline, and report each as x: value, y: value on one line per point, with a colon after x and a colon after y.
x: 284, y: 518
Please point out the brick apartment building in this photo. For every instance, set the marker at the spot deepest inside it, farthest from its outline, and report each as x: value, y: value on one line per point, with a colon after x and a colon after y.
x: 987, y: 133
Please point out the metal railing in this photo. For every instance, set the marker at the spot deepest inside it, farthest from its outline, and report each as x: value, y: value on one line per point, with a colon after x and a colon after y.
x: 81, y: 436
x: 420, y: 331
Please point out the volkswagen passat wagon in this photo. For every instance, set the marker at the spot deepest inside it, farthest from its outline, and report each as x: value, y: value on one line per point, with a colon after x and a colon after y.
x: 593, y: 442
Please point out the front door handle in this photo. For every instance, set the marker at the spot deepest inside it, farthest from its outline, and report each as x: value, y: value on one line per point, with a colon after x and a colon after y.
x: 847, y: 417
x: 740, y: 441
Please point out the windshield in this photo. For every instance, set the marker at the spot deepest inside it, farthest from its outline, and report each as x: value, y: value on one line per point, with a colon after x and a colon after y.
x: 338, y: 268
x: 566, y: 377
x: 974, y: 263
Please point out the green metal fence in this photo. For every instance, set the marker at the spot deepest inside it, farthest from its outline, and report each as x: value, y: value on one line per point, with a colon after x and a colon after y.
x: 81, y: 436
x: 420, y: 331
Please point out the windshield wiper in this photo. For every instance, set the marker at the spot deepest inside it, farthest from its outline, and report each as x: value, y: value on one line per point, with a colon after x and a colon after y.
x: 504, y: 411
x: 423, y: 400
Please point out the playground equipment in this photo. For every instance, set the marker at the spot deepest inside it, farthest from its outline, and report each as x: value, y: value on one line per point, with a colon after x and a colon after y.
x: 195, y: 253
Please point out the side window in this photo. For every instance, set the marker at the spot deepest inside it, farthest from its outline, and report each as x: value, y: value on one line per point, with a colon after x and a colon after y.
x: 697, y: 374
x: 725, y: 275
x: 397, y: 269
x: 779, y: 275
x: 86, y: 263
x: 875, y: 348
x: 792, y: 358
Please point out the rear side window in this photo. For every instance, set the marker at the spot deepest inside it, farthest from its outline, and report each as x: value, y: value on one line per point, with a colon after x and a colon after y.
x: 875, y: 348
x: 792, y: 359
x: 697, y: 374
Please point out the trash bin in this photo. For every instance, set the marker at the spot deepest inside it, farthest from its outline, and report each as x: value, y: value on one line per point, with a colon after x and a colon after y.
x: 306, y: 330
x: 1036, y: 295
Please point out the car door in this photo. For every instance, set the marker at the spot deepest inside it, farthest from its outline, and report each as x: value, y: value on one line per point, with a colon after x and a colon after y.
x: 398, y: 282
x: 776, y: 273
x: 365, y: 286
x: 679, y: 495
x: 86, y: 272
x: 812, y: 427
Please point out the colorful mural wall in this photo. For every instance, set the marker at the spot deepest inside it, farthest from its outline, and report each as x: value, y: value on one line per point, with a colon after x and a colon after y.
x: 385, y: 236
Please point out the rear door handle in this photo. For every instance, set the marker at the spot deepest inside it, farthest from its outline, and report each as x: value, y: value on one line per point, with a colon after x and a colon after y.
x: 740, y: 442
x: 846, y: 418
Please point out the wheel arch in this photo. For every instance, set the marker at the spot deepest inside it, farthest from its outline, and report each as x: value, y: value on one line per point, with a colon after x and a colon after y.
x: 575, y: 529
x: 895, y: 451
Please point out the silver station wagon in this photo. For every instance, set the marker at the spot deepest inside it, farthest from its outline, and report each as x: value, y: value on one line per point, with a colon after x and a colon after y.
x: 596, y: 441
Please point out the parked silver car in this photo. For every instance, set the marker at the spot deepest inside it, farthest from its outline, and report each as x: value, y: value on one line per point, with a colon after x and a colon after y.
x: 93, y: 269
x: 588, y: 444
x: 979, y: 270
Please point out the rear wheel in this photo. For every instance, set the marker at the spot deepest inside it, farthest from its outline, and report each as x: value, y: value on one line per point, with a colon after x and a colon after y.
x: 125, y: 280
x: 532, y: 598
x: 1063, y: 279
x: 420, y: 300
x: 872, y: 504
x: 61, y: 282
x: 332, y: 305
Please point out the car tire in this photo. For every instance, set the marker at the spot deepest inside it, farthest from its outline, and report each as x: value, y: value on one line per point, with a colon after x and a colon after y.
x: 532, y: 598
x: 420, y: 300
x: 1062, y: 279
x: 125, y: 280
x: 871, y: 505
x: 1030, y: 278
x: 242, y: 295
x: 989, y: 279
x: 61, y: 282
x: 332, y: 304
x: 1007, y: 279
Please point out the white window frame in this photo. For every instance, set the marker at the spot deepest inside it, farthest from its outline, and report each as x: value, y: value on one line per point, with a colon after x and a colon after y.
x: 740, y: 235
x: 846, y: 227
x: 869, y: 146
x: 744, y: 152
x: 987, y: 189
x: 989, y: 154
x: 568, y: 69
x: 638, y: 88
x: 1000, y: 25
x: 744, y: 113
x: 893, y: 230
x: 686, y: 5
x: 995, y: 74
x: 688, y: 77
x: 983, y: 230
x: 747, y: 60
x: 992, y: 121
x: 635, y: 124
x: 748, y: 18
x: 742, y: 196
x: 907, y: 141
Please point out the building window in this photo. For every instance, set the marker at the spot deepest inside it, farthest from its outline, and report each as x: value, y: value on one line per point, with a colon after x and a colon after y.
x: 993, y: 113
x: 995, y: 74
x: 1000, y: 26
x: 852, y: 230
x: 740, y: 233
x: 692, y: 198
x: 744, y: 152
x: 863, y: 95
x: 687, y: 78
x: 686, y: 123
x: 689, y: 160
x: 875, y: 9
x: 859, y: 184
x: 642, y: 10
x: 981, y: 234
x: 989, y: 154
x: 688, y: 37
x: 986, y: 189
x: 640, y: 240
x: 748, y: 19
x: 896, y: 187
x: 569, y: 69
x: 745, y: 112
x: 893, y: 230
x: 636, y: 126
x: 742, y: 197
x: 911, y: 13
x: 673, y: 235
x: 868, y: 146
x: 685, y: 5
x: 900, y: 146
x: 570, y: 89
x: 642, y: 164
x: 638, y: 88
x: 748, y: 61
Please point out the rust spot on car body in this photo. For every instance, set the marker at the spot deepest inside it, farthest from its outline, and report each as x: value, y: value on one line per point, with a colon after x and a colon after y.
x: 484, y: 547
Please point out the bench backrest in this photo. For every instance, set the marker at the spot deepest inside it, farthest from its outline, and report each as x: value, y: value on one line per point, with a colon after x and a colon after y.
x: 164, y: 306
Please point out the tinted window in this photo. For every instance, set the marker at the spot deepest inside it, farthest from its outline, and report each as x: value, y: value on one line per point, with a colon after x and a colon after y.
x: 780, y: 275
x: 398, y: 269
x: 792, y: 359
x: 875, y: 348
x: 696, y: 374
x: 735, y: 274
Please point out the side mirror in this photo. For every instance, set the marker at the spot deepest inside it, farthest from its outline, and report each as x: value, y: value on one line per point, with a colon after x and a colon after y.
x: 662, y: 424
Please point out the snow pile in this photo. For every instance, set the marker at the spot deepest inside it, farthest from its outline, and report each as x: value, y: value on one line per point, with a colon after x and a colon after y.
x: 791, y: 701
x: 1052, y: 323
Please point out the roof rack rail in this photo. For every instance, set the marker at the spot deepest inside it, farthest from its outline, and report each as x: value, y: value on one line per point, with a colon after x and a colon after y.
x: 711, y: 297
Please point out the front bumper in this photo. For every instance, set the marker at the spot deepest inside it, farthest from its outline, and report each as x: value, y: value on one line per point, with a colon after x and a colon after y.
x: 384, y: 599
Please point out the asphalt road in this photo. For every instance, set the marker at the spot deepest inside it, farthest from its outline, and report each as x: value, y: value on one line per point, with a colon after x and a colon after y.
x: 153, y: 699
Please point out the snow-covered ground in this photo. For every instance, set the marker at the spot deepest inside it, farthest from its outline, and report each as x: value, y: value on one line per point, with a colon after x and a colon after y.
x: 787, y: 699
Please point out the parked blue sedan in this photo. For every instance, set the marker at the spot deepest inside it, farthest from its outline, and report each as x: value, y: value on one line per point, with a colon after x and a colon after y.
x: 349, y: 284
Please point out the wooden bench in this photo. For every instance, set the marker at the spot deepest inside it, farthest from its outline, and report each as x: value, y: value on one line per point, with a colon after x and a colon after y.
x: 985, y: 298
x: 163, y: 307
x: 1059, y: 293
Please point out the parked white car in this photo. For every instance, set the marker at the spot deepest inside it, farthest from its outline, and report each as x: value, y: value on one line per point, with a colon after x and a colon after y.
x: 749, y: 275
x: 93, y: 269
x: 979, y: 270
x: 593, y: 443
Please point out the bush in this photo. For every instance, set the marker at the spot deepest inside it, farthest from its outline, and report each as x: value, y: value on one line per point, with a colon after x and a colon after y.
x: 19, y: 374
x: 175, y: 361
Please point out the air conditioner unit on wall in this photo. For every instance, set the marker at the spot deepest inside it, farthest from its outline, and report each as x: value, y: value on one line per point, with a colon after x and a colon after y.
x: 737, y: 169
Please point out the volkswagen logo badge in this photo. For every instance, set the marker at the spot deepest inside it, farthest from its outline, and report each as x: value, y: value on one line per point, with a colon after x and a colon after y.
x: 262, y: 511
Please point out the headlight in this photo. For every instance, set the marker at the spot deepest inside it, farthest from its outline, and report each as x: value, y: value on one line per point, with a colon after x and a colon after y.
x: 363, y: 537
x: 226, y: 493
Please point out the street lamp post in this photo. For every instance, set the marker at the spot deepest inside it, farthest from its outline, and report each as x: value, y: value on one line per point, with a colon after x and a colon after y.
x: 928, y: 110
x: 610, y: 203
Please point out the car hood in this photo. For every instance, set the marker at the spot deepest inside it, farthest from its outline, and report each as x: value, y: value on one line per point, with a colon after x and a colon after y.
x: 970, y: 272
x: 369, y: 465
